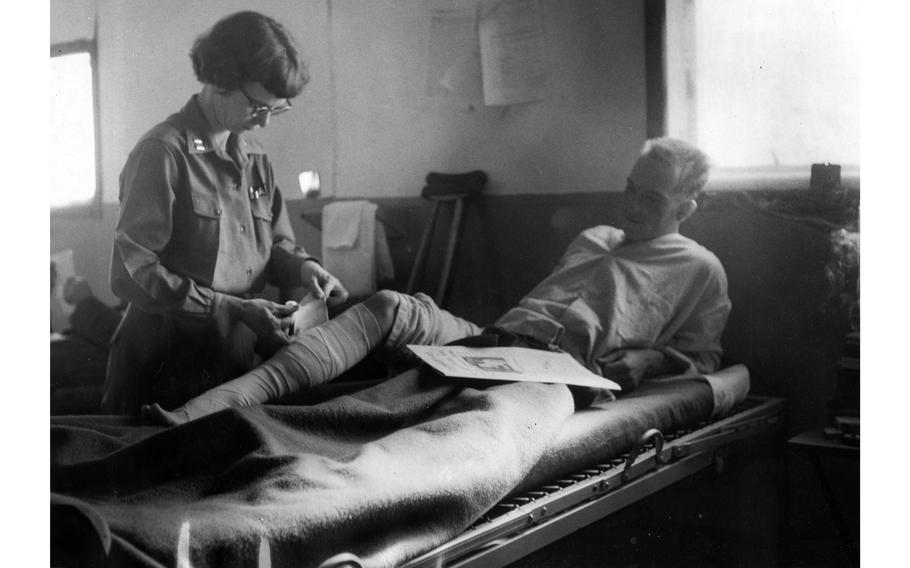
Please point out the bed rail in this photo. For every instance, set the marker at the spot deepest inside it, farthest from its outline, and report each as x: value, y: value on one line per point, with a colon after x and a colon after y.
x: 521, y: 524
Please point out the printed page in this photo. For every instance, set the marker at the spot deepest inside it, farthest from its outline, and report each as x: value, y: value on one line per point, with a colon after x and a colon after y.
x: 513, y: 52
x: 509, y: 364
x: 453, y: 47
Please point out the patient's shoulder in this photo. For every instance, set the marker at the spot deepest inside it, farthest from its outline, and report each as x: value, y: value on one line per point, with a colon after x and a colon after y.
x: 702, y: 252
x: 706, y: 261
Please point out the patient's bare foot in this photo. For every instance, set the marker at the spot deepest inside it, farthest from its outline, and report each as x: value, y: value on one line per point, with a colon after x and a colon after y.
x: 162, y: 417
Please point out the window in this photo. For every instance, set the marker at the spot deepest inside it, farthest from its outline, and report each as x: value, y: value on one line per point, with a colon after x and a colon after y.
x: 765, y: 87
x: 74, y: 179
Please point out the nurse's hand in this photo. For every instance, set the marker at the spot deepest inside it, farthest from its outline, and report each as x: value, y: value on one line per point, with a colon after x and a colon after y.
x: 267, y: 318
x: 323, y: 285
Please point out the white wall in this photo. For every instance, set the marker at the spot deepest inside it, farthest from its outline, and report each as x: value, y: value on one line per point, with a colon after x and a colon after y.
x: 364, y: 121
x: 582, y: 138
x: 71, y: 20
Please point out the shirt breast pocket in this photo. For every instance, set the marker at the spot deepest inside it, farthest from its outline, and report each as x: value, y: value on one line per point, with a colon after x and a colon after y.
x: 206, y: 219
x: 261, y: 208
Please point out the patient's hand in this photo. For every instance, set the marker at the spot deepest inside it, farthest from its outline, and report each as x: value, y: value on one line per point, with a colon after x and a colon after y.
x: 629, y: 367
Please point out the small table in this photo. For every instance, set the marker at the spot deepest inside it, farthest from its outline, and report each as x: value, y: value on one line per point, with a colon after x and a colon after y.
x: 815, y: 443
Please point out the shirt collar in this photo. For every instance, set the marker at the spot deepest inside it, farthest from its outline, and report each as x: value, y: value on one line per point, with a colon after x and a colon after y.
x: 661, y: 240
x: 198, y: 141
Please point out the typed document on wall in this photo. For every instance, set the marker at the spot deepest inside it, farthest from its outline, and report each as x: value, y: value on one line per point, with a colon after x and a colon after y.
x: 513, y: 51
x: 453, y: 50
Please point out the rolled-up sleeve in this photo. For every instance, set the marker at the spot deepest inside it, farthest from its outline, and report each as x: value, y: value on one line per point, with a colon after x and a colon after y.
x: 697, y: 344
x: 148, y: 189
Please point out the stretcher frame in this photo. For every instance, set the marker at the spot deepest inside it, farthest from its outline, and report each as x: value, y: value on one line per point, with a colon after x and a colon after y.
x: 525, y: 523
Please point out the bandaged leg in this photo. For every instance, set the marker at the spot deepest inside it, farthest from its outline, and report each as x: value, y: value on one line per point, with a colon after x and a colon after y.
x: 316, y: 356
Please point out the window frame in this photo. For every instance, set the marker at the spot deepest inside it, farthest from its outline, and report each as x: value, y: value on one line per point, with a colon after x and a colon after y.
x: 93, y: 206
x: 657, y: 110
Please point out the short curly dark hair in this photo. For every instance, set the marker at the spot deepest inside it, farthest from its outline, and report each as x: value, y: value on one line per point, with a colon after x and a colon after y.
x: 250, y: 47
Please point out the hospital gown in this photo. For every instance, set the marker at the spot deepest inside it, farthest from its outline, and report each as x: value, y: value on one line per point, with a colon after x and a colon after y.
x: 668, y: 293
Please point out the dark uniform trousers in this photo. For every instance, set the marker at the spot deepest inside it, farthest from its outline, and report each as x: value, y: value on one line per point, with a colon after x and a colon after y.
x: 155, y: 358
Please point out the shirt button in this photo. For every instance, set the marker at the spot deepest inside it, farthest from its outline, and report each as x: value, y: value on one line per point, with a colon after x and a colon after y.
x: 242, y: 229
x: 249, y: 271
x: 217, y: 211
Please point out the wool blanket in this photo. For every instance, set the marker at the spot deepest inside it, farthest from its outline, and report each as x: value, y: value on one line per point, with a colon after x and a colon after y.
x: 386, y: 473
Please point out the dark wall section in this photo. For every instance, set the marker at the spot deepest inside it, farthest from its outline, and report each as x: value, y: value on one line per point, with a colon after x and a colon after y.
x: 788, y: 320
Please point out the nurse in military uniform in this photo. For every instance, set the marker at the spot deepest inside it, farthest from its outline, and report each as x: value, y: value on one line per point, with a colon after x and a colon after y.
x: 203, y: 228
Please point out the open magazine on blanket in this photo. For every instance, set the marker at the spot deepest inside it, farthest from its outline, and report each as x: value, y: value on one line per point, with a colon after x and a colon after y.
x: 509, y: 364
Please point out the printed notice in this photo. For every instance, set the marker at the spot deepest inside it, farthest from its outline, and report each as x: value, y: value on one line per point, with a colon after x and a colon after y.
x: 509, y: 364
x: 513, y: 51
x: 453, y: 49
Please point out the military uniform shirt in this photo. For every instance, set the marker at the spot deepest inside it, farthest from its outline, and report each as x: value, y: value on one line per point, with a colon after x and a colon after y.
x: 196, y: 223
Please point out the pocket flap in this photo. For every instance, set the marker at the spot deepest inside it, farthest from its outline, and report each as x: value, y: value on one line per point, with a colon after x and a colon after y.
x: 262, y: 207
x: 206, y: 205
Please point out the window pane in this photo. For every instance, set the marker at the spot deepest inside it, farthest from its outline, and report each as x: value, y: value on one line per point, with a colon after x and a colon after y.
x: 767, y: 82
x: 73, y: 130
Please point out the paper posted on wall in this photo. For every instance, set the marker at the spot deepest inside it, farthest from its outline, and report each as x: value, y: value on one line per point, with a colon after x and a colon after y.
x: 509, y: 364
x: 513, y: 52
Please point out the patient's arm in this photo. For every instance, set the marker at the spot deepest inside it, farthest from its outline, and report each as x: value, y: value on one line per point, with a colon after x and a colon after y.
x: 629, y: 367
x: 316, y: 356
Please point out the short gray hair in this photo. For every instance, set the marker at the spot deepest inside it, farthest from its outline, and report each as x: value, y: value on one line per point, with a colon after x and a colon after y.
x: 689, y: 164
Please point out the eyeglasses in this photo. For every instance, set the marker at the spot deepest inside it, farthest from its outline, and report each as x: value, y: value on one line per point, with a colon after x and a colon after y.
x: 260, y: 108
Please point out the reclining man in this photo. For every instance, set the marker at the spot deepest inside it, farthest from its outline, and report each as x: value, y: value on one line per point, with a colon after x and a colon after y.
x: 628, y: 303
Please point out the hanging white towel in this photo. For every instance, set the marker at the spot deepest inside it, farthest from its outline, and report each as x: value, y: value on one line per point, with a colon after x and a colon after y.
x: 341, y: 222
x: 354, y: 248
